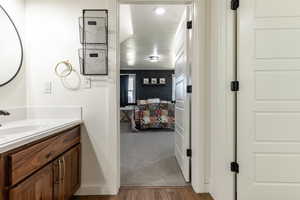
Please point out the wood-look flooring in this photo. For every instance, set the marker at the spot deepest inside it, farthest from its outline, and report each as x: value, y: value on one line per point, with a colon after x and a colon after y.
x: 151, y: 193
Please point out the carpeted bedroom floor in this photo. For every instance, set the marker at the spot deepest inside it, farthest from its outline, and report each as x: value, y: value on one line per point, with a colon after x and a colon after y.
x: 147, y: 158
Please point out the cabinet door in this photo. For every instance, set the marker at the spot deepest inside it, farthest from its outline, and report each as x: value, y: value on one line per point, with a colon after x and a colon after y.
x: 37, y: 187
x: 71, y: 161
x: 67, y: 174
x: 58, y: 179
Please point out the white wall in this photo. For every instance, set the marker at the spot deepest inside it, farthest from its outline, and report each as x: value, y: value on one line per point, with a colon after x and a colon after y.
x: 201, y: 99
x: 208, y: 96
x: 52, y: 36
x: 14, y: 94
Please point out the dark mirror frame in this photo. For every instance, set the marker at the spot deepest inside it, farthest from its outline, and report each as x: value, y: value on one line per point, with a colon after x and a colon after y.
x: 21, y: 46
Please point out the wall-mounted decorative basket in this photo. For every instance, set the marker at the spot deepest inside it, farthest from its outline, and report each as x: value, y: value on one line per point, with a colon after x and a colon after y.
x: 93, y: 61
x: 93, y: 30
x: 93, y: 56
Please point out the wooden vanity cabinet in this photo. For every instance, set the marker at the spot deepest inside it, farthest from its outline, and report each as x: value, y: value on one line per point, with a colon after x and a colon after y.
x: 45, y: 170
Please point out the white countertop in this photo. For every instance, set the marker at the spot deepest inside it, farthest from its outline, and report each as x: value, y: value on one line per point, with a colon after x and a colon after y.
x: 18, y: 133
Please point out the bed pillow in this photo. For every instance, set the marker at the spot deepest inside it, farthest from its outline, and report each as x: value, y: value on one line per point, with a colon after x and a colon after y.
x: 142, y: 102
x: 156, y: 100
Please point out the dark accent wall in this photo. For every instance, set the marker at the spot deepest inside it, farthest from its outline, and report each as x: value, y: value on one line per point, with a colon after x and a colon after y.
x: 164, y: 92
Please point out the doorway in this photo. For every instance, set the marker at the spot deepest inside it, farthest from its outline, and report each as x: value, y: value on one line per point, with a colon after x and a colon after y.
x: 155, y: 107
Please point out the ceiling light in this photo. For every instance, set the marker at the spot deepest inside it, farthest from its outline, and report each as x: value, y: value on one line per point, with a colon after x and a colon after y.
x: 131, y: 62
x: 153, y: 58
x: 160, y: 11
x: 131, y: 58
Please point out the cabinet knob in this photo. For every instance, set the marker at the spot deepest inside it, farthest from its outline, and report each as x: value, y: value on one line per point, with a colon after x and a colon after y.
x: 49, y: 155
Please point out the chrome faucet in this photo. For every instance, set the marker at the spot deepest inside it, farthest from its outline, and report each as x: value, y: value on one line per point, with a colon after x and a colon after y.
x: 4, y: 113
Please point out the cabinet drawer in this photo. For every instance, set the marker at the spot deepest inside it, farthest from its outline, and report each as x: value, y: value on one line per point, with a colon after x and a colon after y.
x: 38, y: 186
x: 29, y: 160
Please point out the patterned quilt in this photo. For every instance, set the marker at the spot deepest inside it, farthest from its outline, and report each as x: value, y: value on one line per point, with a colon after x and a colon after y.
x: 155, y: 115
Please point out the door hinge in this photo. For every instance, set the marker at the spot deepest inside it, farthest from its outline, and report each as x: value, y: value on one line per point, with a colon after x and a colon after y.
x: 235, y: 86
x: 189, y: 24
x: 189, y: 152
x: 234, y: 166
x: 235, y: 4
x: 189, y: 89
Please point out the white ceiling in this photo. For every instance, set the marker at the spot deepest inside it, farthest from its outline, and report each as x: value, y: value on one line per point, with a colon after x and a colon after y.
x: 150, y: 34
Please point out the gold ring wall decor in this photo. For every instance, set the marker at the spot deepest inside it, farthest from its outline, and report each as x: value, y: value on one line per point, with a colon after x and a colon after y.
x: 66, y: 72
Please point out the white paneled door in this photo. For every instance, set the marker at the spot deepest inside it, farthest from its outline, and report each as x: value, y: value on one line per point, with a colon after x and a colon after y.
x: 269, y: 100
x: 182, y: 106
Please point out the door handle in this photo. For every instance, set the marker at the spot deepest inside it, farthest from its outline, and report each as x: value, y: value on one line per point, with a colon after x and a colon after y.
x: 64, y: 169
x: 60, y: 170
x: 57, y: 175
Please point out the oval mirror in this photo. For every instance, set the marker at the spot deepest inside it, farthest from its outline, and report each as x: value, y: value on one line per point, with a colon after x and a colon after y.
x: 11, y: 49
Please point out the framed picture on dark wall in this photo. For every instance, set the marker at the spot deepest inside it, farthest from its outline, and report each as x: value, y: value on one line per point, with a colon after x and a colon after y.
x: 162, y: 81
x: 153, y: 81
x: 146, y: 81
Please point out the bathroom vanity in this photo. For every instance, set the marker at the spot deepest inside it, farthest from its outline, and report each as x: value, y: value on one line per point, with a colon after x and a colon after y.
x: 47, y: 168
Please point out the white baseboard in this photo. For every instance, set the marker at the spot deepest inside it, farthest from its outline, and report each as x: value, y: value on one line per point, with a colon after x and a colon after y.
x: 95, y: 190
x: 207, y: 187
x: 207, y: 184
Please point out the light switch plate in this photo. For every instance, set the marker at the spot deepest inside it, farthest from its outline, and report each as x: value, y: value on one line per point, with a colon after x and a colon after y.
x: 48, y: 87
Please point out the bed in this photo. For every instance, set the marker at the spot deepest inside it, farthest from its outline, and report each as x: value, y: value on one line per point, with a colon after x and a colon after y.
x: 154, y: 114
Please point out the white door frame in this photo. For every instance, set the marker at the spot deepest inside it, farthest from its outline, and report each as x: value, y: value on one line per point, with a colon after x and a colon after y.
x: 199, y: 119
